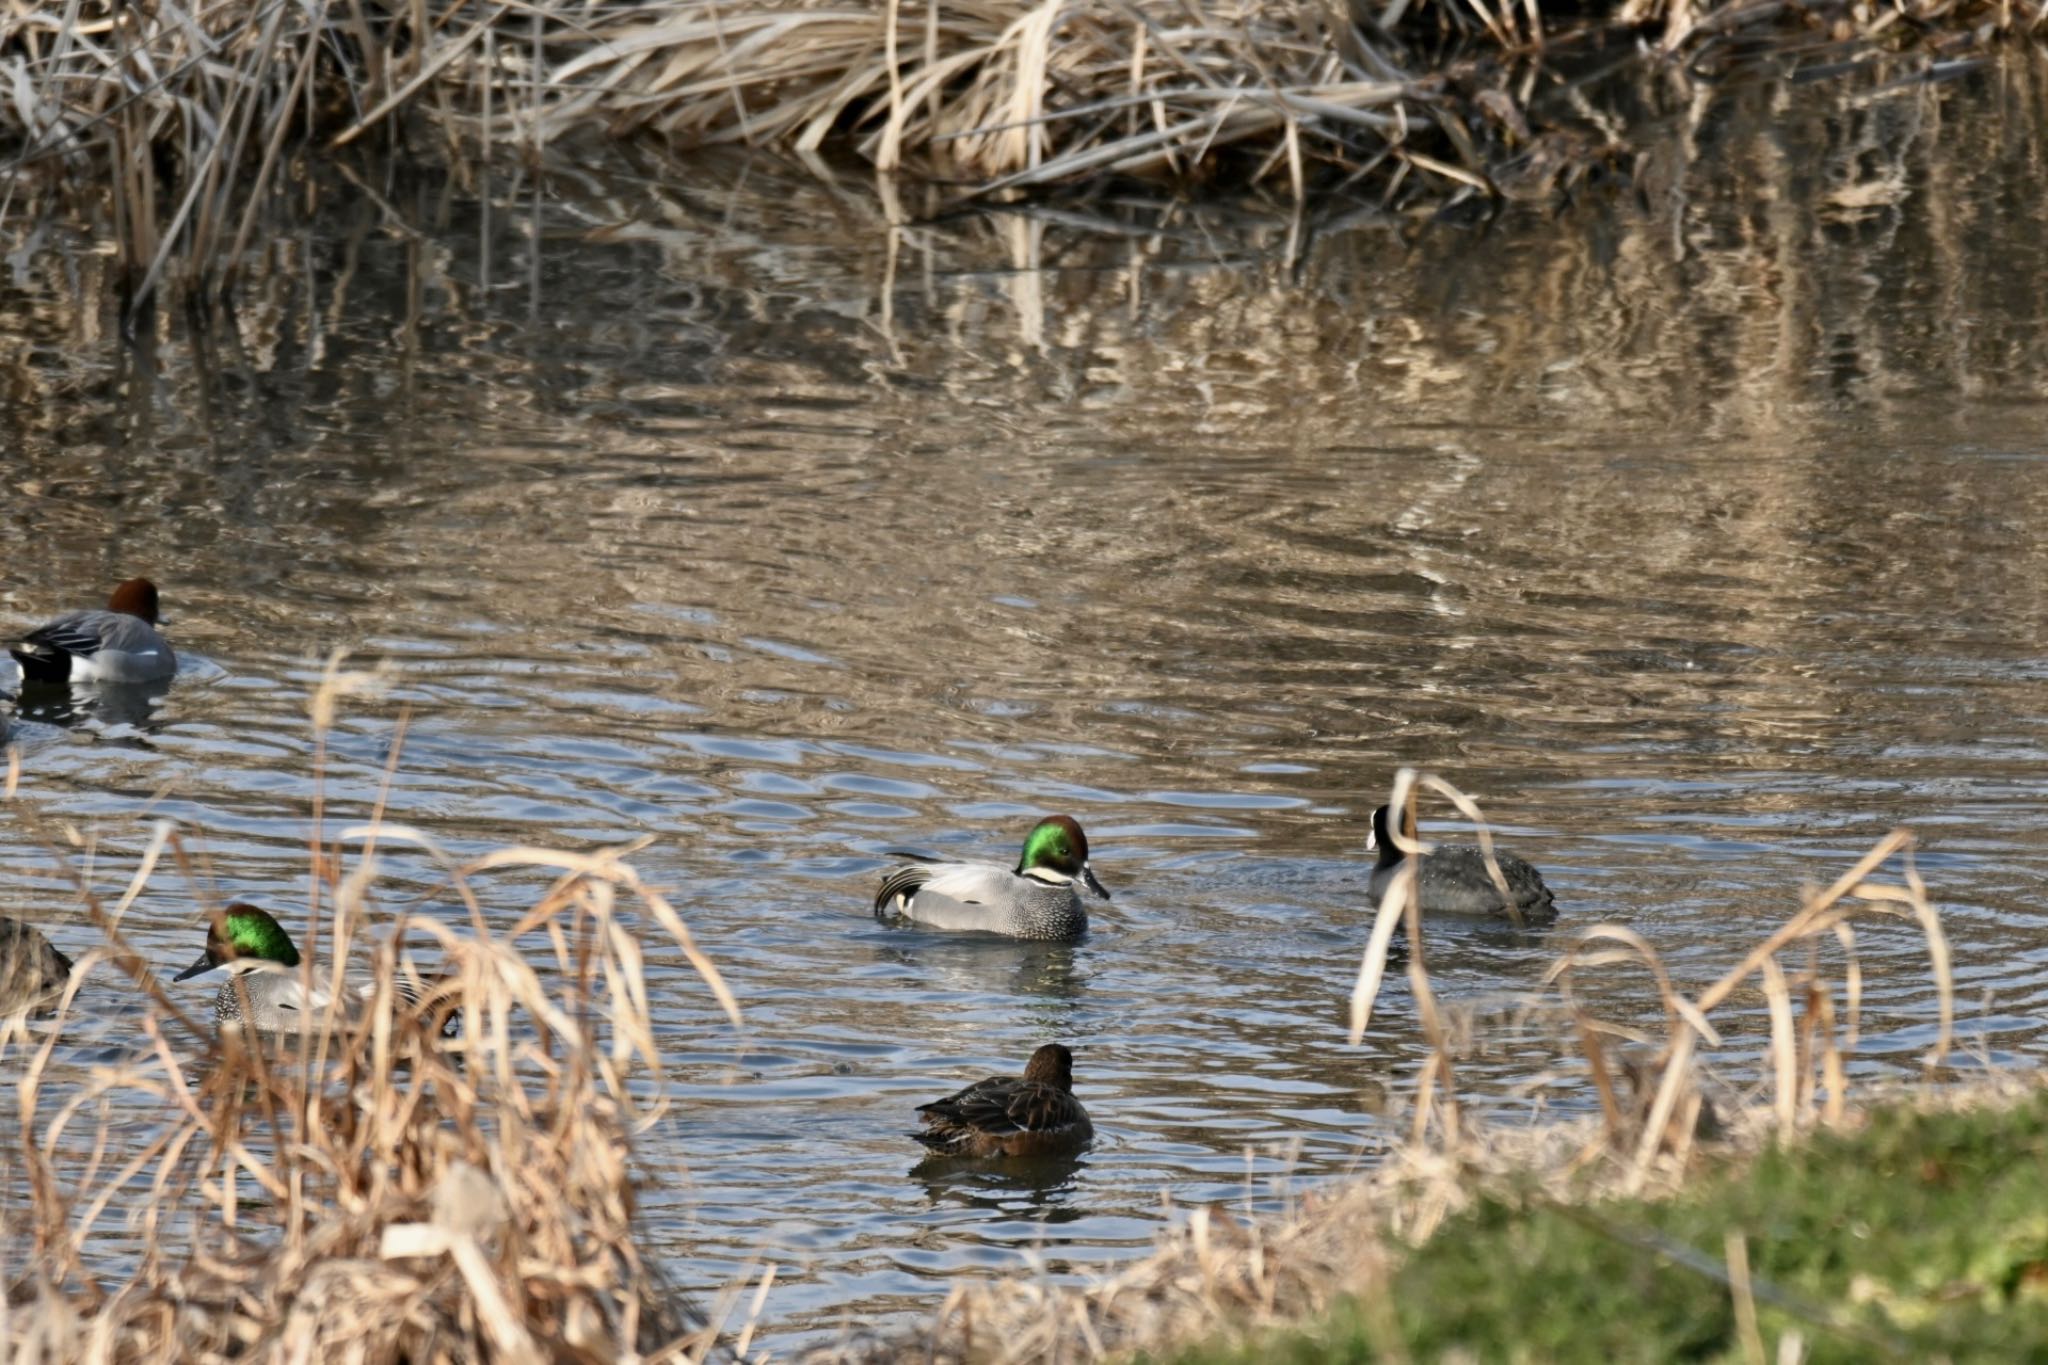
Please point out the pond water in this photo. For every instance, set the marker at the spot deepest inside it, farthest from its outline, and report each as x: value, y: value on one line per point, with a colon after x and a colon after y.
x: 1695, y: 531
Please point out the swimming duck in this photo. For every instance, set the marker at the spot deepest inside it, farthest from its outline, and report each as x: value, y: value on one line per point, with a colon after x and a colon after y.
x: 1453, y: 880
x: 31, y: 971
x: 120, y: 644
x: 1032, y: 1115
x: 266, y: 992
x: 1039, y: 898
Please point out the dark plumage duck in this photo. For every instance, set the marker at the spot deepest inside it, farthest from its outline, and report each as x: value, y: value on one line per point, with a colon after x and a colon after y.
x: 1032, y: 1115
x: 32, y: 973
x: 1453, y: 880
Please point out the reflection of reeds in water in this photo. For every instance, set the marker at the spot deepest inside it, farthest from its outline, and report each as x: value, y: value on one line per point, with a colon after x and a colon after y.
x: 1215, y: 1277
x: 413, y: 1199
x: 1782, y: 267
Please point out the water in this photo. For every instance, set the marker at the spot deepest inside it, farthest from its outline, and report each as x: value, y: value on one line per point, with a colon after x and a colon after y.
x: 1695, y: 533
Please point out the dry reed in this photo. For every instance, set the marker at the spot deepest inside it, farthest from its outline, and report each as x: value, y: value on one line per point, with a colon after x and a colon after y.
x: 370, y: 1191
x: 186, y: 119
x: 1218, y: 1277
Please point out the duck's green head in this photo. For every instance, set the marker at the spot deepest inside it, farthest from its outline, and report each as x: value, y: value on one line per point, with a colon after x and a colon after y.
x: 1057, y: 850
x: 243, y: 932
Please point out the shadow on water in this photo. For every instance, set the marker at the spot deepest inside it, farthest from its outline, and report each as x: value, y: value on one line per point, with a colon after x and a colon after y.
x: 983, y: 964
x: 133, y: 707
x: 1692, y: 526
x: 1039, y: 1188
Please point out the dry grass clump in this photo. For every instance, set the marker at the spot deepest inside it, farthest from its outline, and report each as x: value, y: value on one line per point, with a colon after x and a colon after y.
x: 370, y: 1191
x: 998, y: 94
x: 1215, y: 1278
x: 186, y: 120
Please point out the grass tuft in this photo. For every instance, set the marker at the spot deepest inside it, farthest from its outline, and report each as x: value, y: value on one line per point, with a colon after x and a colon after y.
x: 370, y: 1183
x: 1920, y: 1235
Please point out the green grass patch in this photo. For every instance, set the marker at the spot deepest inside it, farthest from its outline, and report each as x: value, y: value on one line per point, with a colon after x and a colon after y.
x: 1921, y: 1237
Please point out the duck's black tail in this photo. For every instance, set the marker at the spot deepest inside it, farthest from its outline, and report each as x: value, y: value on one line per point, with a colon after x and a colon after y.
x: 40, y: 665
x: 900, y: 885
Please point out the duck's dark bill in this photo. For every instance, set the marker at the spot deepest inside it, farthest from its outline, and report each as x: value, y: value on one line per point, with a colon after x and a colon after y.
x: 1088, y: 876
x: 204, y: 964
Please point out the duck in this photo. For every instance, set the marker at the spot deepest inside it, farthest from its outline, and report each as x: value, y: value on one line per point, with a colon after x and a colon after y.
x: 121, y: 644
x: 1453, y: 880
x: 31, y: 970
x: 1035, y: 1114
x: 1040, y: 898
x: 265, y: 992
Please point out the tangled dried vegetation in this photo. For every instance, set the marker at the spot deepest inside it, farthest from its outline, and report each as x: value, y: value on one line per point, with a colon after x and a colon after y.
x: 376, y: 1194
x: 182, y: 118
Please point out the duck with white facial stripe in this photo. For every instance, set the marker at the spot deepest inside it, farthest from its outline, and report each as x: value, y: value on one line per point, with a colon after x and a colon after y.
x: 1040, y: 898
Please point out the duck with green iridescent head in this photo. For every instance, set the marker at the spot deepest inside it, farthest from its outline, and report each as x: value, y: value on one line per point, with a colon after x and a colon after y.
x: 265, y: 991
x: 1040, y: 898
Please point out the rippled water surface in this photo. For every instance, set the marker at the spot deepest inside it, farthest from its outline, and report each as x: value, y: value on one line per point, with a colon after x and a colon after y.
x: 1698, y: 533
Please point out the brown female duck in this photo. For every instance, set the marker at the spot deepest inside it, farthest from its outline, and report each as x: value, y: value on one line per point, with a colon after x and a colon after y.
x: 1032, y: 1115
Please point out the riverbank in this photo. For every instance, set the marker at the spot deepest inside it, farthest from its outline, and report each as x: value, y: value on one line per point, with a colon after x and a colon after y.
x: 1918, y: 1232
x: 177, y: 131
x: 384, y: 1184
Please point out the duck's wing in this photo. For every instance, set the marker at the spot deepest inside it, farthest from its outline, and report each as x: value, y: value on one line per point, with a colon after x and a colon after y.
x: 435, y: 1001
x: 1454, y: 880
x: 1002, y: 1106
x: 109, y: 645
x: 31, y: 969
x: 127, y: 634
x: 78, y: 632
x: 902, y: 883
x: 931, y: 882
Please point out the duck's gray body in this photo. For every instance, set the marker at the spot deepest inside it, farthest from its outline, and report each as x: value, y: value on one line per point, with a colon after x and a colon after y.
x: 1453, y: 880
x: 987, y: 896
x: 96, y: 646
x: 268, y: 999
x: 273, y: 999
x: 32, y: 972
